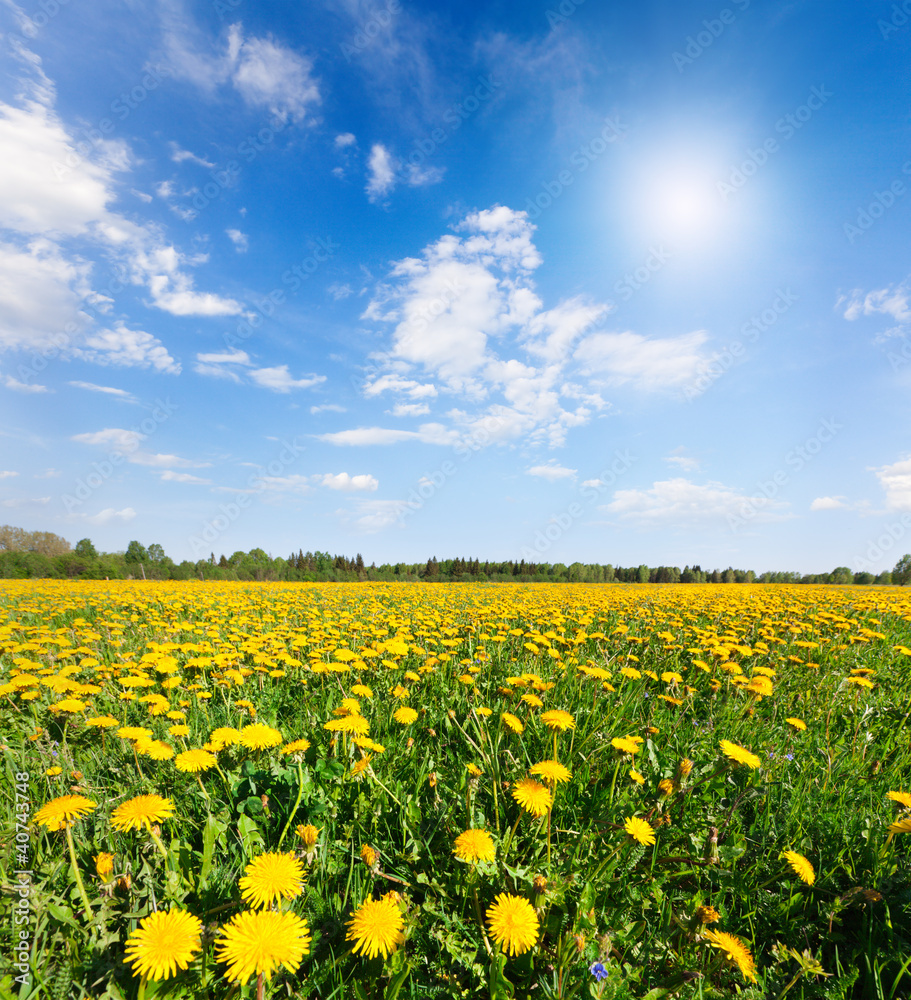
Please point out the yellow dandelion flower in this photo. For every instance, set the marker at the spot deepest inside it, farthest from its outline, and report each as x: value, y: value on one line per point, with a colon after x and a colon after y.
x: 271, y: 877
x: 625, y: 745
x: 802, y: 868
x: 360, y: 766
x: 192, y: 761
x: 474, y: 845
x: 902, y: 798
x: 636, y: 776
x: 735, y: 951
x: 516, y: 725
x: 133, y: 732
x: 376, y: 928
x: 513, y: 924
x: 308, y: 834
x: 640, y: 831
x: 532, y: 700
x: 707, y: 914
x: 900, y: 826
x: 163, y: 942
x: 259, y: 941
x: 557, y: 720
x: 141, y: 811
x: 62, y: 812
x: 104, y: 865
x: 369, y: 856
x: 297, y: 746
x: 179, y: 729
x: 532, y: 796
x: 405, y: 716
x: 102, y: 722
x: 798, y: 725
x: 552, y: 771
x: 739, y: 754
x: 474, y: 770
x: 355, y: 724
x: 156, y: 749
x: 260, y: 737
x: 224, y: 736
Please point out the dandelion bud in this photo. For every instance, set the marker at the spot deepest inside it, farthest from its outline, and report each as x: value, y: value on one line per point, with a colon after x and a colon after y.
x: 540, y: 883
x: 104, y: 865
x: 368, y: 856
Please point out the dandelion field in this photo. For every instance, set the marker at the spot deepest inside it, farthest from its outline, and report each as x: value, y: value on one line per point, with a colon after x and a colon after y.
x: 481, y: 790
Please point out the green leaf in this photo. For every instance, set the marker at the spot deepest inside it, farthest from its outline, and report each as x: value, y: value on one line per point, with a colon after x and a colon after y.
x: 396, y: 983
x: 212, y: 834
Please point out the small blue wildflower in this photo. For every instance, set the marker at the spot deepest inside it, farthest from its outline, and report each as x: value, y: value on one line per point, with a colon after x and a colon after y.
x: 598, y: 971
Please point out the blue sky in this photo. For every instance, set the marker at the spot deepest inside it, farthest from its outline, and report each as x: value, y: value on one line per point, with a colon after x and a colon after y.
x: 598, y: 282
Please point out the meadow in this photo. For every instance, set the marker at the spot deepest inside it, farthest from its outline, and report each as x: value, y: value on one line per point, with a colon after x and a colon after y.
x: 454, y: 790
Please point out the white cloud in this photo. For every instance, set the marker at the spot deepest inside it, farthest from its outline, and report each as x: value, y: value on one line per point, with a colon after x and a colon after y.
x: 127, y: 348
x: 409, y: 410
x: 17, y: 386
x: 374, y: 515
x: 7, y: 474
x: 381, y: 179
x: 889, y: 301
x: 239, y: 239
x: 108, y: 390
x: 278, y: 379
x: 681, y: 503
x: 230, y: 357
x: 338, y: 291
x: 264, y: 72
x: 40, y: 291
x: 345, y: 139
x: 27, y: 502
x: 116, y: 438
x: 179, y: 155
x: 395, y: 383
x: 417, y: 176
x: 682, y: 461
x: 105, y: 516
x: 646, y: 363
x: 828, y: 503
x: 170, y: 476
x: 895, y: 479
x: 552, y: 472
x: 366, y: 436
x: 349, y: 484
x: 48, y: 474
x: 165, y: 189
x: 328, y: 408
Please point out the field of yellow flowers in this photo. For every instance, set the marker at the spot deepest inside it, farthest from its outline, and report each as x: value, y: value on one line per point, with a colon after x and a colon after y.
x: 482, y: 790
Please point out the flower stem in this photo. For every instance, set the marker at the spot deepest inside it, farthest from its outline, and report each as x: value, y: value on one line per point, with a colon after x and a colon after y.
x: 158, y: 843
x: 297, y: 802
x: 76, y: 875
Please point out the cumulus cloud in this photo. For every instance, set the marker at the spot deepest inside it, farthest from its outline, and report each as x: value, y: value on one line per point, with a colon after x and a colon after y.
x: 381, y: 172
x: 127, y: 348
x: 681, y: 503
x: 278, y: 379
x: 552, y: 472
x: 895, y: 479
x: 889, y: 301
x: 239, y: 239
x: 347, y: 483
x: 646, y: 363
x: 829, y: 503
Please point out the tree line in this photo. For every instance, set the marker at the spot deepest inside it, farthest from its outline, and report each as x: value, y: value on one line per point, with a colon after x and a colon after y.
x: 42, y: 555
